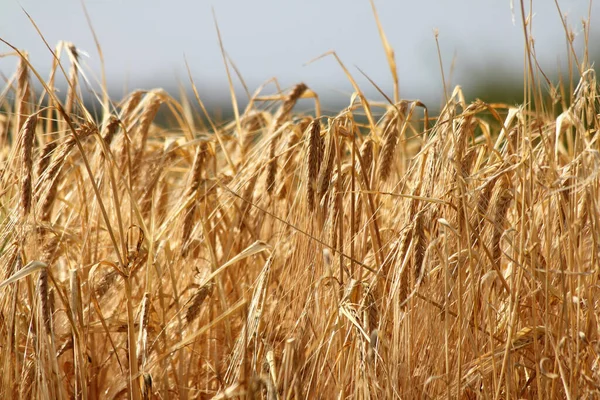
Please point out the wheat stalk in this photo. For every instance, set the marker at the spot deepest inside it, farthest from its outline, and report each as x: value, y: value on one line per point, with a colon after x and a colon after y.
x: 313, y: 163
x: 27, y: 139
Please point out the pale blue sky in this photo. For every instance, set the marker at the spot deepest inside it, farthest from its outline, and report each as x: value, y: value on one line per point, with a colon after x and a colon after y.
x: 144, y: 41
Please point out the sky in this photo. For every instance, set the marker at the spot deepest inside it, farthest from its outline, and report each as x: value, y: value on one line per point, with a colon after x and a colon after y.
x: 146, y: 43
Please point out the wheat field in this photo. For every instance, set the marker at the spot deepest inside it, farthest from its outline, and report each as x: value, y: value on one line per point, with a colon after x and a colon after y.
x: 377, y: 253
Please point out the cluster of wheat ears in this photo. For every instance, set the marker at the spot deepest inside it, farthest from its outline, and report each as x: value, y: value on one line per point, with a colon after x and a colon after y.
x: 376, y: 253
